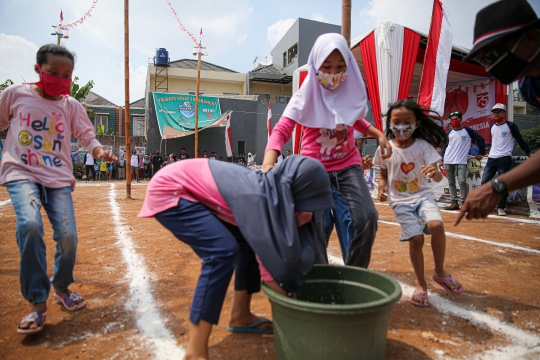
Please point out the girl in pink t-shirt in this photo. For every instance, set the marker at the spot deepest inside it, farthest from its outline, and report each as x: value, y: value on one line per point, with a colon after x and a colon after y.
x: 227, y: 214
x: 330, y: 104
x: 37, y: 170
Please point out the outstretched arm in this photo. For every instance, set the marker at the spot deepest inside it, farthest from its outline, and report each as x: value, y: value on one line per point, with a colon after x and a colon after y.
x: 483, y: 200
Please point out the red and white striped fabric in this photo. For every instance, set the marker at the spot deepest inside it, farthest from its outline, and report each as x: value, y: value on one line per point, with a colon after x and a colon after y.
x: 389, y: 54
x: 269, y: 120
x: 228, y: 137
x: 437, y: 62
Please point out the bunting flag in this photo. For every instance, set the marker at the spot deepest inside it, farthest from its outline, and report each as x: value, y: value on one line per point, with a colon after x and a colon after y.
x: 228, y: 136
x: 182, y: 26
x: 437, y: 61
x: 269, y: 121
x: 81, y: 20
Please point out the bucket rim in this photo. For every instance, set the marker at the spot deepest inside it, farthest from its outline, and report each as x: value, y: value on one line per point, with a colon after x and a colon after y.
x: 371, y: 306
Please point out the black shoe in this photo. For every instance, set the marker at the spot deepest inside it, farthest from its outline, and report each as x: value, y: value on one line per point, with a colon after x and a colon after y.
x: 454, y: 206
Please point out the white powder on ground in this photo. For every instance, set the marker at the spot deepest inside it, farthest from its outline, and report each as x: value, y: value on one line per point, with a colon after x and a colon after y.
x: 149, y: 320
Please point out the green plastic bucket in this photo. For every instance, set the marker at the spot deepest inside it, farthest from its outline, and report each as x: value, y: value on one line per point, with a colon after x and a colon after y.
x: 341, y: 313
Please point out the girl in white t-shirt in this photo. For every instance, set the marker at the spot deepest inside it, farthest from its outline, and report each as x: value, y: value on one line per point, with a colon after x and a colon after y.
x: 405, y: 175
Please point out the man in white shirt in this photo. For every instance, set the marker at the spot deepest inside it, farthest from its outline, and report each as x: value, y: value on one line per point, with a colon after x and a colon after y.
x: 135, y: 164
x: 455, y: 156
x: 499, y: 161
x: 89, y: 165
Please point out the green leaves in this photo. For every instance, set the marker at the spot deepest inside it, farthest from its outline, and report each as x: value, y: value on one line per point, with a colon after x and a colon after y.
x: 79, y: 93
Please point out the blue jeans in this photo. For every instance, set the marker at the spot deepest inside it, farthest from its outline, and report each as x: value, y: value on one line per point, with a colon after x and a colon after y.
x: 500, y: 166
x: 353, y: 188
x: 221, y: 248
x: 461, y: 171
x: 341, y: 217
x: 27, y: 198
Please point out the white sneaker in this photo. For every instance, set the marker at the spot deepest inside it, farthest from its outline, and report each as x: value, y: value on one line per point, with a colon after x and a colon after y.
x: 501, y: 212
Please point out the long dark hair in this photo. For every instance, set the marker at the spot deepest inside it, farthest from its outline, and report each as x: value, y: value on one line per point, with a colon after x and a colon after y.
x: 429, y: 127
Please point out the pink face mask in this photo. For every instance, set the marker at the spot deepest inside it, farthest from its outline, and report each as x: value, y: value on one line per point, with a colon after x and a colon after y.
x: 53, y: 85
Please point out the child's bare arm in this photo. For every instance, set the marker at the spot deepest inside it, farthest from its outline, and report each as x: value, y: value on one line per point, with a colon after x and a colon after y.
x: 431, y: 172
x: 382, y: 184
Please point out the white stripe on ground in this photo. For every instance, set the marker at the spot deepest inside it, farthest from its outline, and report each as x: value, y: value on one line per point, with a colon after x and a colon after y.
x: 149, y: 319
x: 523, y: 221
x: 523, y: 341
x: 470, y: 238
x: 5, y: 202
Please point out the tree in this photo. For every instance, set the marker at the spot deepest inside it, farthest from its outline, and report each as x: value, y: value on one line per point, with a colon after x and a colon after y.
x: 532, y: 137
x: 80, y: 93
x: 5, y: 85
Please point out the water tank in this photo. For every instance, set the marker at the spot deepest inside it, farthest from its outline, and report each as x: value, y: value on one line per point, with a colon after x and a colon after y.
x: 162, y: 57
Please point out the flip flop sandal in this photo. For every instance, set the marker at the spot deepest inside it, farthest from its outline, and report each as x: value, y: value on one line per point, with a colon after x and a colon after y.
x: 419, y: 294
x: 446, y: 282
x: 34, y: 317
x: 253, y: 328
x: 69, y: 301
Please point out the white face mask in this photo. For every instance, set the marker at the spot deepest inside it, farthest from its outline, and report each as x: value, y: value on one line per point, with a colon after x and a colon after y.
x: 403, y: 132
x: 331, y: 81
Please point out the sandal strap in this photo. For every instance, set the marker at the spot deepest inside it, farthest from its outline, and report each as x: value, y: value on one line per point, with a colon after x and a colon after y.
x: 72, y: 298
x: 33, y: 317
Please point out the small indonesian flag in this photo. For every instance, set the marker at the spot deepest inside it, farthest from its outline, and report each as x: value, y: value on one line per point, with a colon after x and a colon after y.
x: 61, y: 16
x: 269, y: 121
x: 201, y: 34
x: 228, y: 137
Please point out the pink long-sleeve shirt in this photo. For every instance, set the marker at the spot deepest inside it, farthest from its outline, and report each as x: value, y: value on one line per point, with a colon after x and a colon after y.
x: 37, y: 146
x: 335, y: 148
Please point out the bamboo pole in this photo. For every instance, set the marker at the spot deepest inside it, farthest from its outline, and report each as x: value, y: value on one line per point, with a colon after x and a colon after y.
x: 126, y: 98
x: 197, y: 101
x: 346, y: 20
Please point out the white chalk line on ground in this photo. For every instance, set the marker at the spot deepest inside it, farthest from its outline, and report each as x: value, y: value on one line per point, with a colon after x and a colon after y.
x: 149, y: 319
x: 504, y: 218
x: 470, y: 238
x: 524, y: 342
x: 5, y: 202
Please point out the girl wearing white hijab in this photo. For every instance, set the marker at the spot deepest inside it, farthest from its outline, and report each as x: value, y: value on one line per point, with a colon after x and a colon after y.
x: 330, y: 104
x: 250, y: 160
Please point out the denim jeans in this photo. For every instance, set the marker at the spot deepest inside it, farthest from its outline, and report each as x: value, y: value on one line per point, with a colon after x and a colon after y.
x: 353, y: 188
x: 27, y: 198
x: 221, y: 248
x: 461, y: 171
x: 500, y: 166
x: 341, y: 217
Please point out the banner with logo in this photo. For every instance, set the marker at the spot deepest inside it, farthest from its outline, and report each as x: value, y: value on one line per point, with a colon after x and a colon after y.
x: 122, y: 154
x: 176, y: 113
x: 475, y: 102
x: 140, y: 150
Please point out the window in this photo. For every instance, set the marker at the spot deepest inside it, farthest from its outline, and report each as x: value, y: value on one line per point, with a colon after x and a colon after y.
x: 193, y: 92
x: 284, y: 59
x: 101, y: 120
x: 293, y: 52
x: 138, y: 125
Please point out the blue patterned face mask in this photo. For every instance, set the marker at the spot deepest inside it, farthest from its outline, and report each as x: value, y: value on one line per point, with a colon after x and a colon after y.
x: 403, y: 132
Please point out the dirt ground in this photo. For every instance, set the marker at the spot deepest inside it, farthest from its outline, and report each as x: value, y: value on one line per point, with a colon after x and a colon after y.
x: 138, y: 282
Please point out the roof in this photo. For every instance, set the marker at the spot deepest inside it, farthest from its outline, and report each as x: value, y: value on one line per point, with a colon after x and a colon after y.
x: 94, y: 99
x: 269, y: 73
x: 138, y: 103
x: 192, y: 65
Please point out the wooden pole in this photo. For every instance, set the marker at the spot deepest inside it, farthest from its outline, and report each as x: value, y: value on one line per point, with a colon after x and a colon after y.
x: 126, y: 98
x: 346, y: 20
x: 58, y: 36
x: 197, y: 101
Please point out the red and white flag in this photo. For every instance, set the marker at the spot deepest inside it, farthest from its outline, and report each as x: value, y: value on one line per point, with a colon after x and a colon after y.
x: 269, y: 120
x: 61, y: 16
x: 201, y: 35
x: 437, y: 62
x: 228, y: 137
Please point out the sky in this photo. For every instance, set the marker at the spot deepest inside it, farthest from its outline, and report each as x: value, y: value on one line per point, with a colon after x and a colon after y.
x: 235, y: 32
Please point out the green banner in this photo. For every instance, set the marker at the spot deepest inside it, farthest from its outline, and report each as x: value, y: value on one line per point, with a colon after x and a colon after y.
x: 177, y: 111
